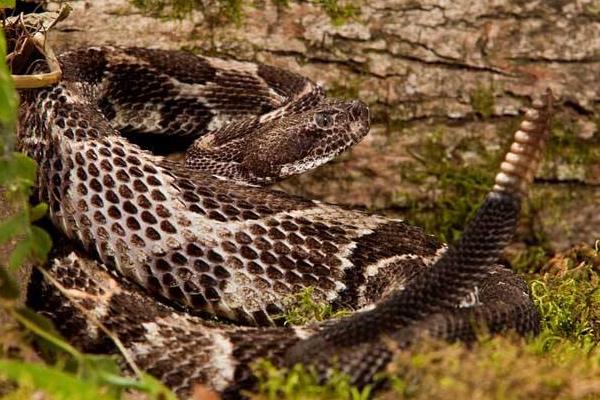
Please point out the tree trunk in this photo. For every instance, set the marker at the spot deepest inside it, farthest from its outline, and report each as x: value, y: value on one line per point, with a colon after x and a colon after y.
x: 444, y: 80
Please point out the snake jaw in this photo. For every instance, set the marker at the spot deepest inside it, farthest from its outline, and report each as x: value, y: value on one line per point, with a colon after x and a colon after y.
x: 522, y: 161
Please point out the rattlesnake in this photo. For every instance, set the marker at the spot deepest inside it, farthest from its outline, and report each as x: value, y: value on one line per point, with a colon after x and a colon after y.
x: 151, y: 247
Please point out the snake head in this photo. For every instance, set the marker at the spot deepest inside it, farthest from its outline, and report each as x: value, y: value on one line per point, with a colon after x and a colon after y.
x: 307, y: 140
x: 282, y: 143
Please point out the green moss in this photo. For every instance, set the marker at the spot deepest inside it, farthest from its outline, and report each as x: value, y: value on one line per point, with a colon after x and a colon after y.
x: 497, y: 368
x: 281, y: 3
x: 592, y: 8
x: 232, y: 9
x: 172, y: 8
x: 537, y: 250
x: 566, y: 145
x: 346, y: 89
x: 596, y: 119
x: 300, y: 383
x: 455, y: 189
x: 450, y: 189
x: 553, y: 365
x: 394, y: 124
x: 451, y: 210
x: 556, y: 364
x: 303, y: 308
x: 531, y: 258
x: 482, y: 101
x: 339, y: 11
x: 229, y: 10
x: 568, y: 296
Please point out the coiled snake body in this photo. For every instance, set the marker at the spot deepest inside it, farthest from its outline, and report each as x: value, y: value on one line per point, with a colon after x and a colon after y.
x: 206, y: 239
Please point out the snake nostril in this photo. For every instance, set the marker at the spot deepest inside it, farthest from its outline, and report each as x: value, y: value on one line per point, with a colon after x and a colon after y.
x: 359, y: 110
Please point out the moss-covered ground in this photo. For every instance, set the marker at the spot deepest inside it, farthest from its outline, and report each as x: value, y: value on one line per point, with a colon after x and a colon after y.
x: 562, y: 362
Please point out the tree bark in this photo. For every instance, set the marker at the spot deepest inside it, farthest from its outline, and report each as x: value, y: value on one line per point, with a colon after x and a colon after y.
x: 452, y: 74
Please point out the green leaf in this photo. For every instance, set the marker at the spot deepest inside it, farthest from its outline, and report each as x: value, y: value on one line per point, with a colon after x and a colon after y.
x: 44, y: 329
x: 122, y: 382
x: 37, y: 212
x: 18, y: 172
x: 20, y: 253
x: 7, y: 3
x: 13, y: 226
x: 34, y: 246
x: 5, y: 173
x: 24, y: 168
x: 38, y: 320
x: 155, y: 388
x: 96, y: 367
x: 9, y: 288
x: 8, y: 95
x: 58, y: 384
x: 101, y: 369
x: 105, y: 370
x: 49, y: 342
x: 41, y: 243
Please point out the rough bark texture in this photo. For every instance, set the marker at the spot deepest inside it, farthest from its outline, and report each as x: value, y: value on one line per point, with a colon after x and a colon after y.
x: 445, y: 80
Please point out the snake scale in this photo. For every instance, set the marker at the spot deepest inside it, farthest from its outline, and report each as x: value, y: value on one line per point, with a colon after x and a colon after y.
x: 155, y: 249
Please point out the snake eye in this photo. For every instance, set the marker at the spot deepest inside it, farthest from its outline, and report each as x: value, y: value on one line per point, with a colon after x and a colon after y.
x: 323, y: 120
